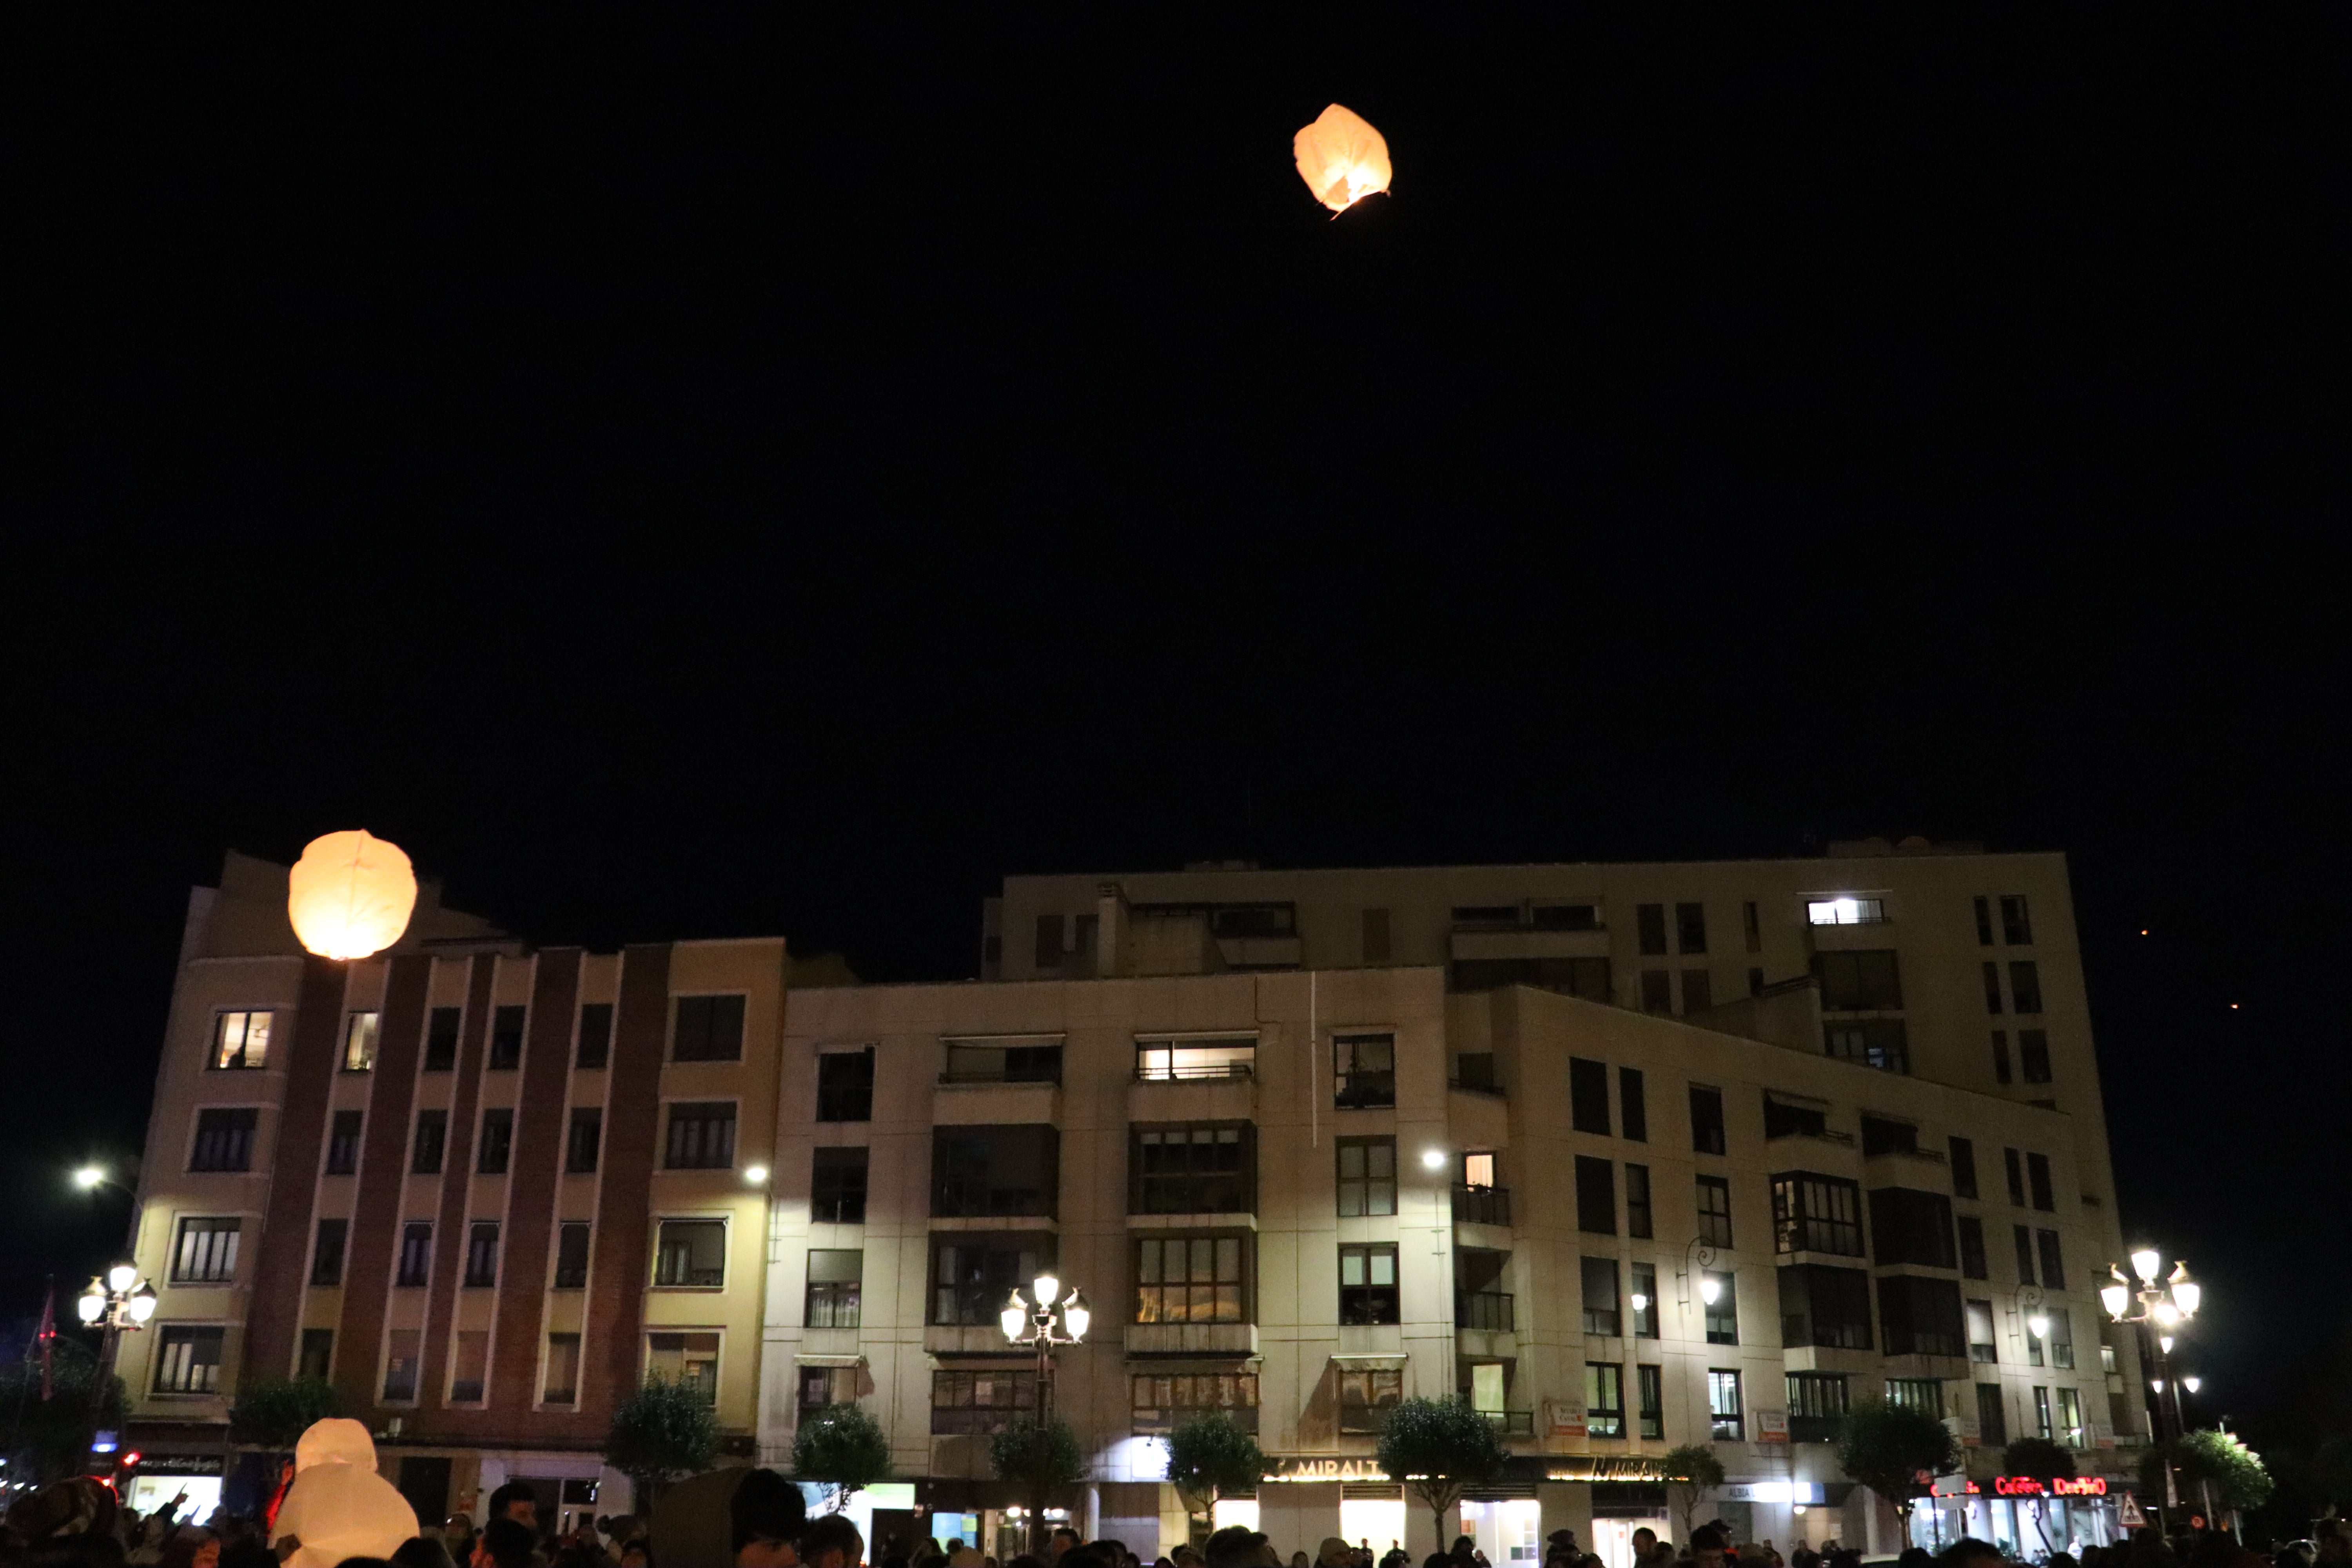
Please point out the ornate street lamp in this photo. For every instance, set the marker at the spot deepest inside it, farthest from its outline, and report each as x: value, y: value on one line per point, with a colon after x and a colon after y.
x: 1045, y: 1316
x: 2162, y: 1308
x: 117, y: 1303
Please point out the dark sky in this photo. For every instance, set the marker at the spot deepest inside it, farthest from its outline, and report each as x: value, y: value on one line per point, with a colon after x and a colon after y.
x: 691, y: 484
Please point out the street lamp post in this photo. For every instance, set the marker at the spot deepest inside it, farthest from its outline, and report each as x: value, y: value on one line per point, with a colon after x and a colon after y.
x: 2161, y: 1309
x: 1045, y: 1316
x: 117, y: 1302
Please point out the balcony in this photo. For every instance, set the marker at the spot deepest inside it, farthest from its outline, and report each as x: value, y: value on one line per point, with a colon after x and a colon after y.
x: 1482, y: 1206
x: 1203, y: 1072
x: 1512, y: 1423
x: 1489, y: 1312
x: 1474, y: 1073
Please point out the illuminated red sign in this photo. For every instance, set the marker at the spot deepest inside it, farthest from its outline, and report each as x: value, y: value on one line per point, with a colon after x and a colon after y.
x: 2026, y: 1486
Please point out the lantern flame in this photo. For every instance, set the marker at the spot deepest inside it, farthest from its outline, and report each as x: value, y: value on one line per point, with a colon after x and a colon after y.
x: 1342, y: 158
x: 350, y: 895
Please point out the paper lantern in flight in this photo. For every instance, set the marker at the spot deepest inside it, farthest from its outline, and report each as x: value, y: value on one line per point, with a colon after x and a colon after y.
x: 350, y: 895
x: 1342, y: 158
x: 338, y: 1506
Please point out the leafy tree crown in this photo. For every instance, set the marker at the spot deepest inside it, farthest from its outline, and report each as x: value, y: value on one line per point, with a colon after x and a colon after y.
x: 2039, y: 1458
x: 2237, y: 1474
x: 662, y: 1431
x: 1438, y: 1447
x: 1693, y: 1464
x: 1036, y: 1455
x: 274, y: 1412
x: 1888, y: 1447
x: 1210, y: 1456
x: 844, y: 1446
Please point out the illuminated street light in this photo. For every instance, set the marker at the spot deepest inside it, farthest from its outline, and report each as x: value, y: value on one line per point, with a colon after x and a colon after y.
x: 1045, y: 1316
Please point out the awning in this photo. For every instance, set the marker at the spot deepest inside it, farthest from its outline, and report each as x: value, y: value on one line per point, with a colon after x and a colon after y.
x: 805, y: 1359
x: 1381, y: 1361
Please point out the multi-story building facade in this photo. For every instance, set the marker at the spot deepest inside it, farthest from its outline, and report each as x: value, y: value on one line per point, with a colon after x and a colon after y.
x: 482, y: 1188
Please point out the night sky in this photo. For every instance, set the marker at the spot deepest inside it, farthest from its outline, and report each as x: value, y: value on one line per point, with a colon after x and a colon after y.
x: 688, y: 485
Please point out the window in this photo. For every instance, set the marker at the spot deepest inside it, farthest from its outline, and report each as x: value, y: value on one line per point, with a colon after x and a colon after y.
x: 1723, y: 1312
x: 1993, y: 986
x: 1631, y: 1099
x: 691, y: 1254
x: 1478, y: 1169
x: 1650, y: 921
x: 327, y: 1253
x: 1645, y: 1312
x: 836, y: 1278
x: 2033, y: 1055
x: 1164, y: 1061
x: 401, y: 1360
x: 980, y: 1402
x: 828, y: 1385
x: 996, y: 1171
x: 482, y: 1255
x: 1191, y: 1170
x: 837, y: 1185
x: 690, y: 1360
x: 1918, y: 1316
x: 1845, y: 911
x: 708, y: 1029
x: 469, y: 1366
x: 701, y: 1135
x: 360, y: 1031
x: 1816, y: 1213
x: 1751, y: 927
x: 844, y: 1086
x: 583, y: 1141
x: 498, y: 1141
x: 506, y: 1038
x: 1698, y: 990
x: 1367, y: 1176
x: 316, y: 1357
x: 1907, y: 1225
x: 998, y: 1061
x: 1376, y: 936
x: 2070, y: 1419
x: 1596, y: 1196
x: 2062, y: 1338
x: 1984, y: 922
x: 343, y: 1142
x: 1992, y: 1420
x: 241, y: 1040
x: 2024, y: 1255
x: 441, y: 1041
x: 224, y: 1140
x: 571, y: 1255
x: 2107, y: 1359
x: 1690, y: 928
x: 206, y: 1254
x: 1368, y: 1284
x: 1982, y: 1346
x: 1190, y: 1279
x: 1754, y: 981
x: 1972, y: 1247
x: 2015, y: 1164
x: 1817, y: 1403
x: 2033, y: 1342
x: 1049, y: 941
x: 432, y: 1137
x: 1787, y: 1118
x: 1650, y: 1386
x: 1601, y: 1315
x: 2053, y: 1266
x: 2037, y: 1171
x: 1882, y: 1136
x: 975, y: 1275
x: 1605, y: 1399
x: 1964, y: 1167
x: 188, y: 1361
x: 1588, y: 1096
x: 2016, y: 921
x: 1162, y: 1400
x: 1707, y: 1120
x: 562, y: 1383
x: 1364, y: 1072
x: 1881, y: 1043
x: 1564, y: 916
x: 1729, y: 1424
x: 1475, y: 1070
x: 1638, y: 1222
x: 2025, y: 987
x: 1824, y: 1306
x: 1657, y: 991
x: 415, y: 1253
x: 595, y: 1034
x: 2042, y: 1412
x: 1917, y: 1393
x: 1715, y: 1211
x: 1859, y: 981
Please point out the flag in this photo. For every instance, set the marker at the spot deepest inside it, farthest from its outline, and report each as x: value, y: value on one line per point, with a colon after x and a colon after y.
x: 48, y: 1334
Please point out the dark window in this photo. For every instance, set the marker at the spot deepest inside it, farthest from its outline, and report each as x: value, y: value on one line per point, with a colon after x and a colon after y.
x: 506, y: 1038
x: 968, y: 1403
x: 2001, y: 1056
x: 2025, y: 987
x: 1690, y: 928
x: 1191, y: 1170
x: 400, y: 1369
x: 1972, y: 1247
x: 318, y: 1356
x: 441, y: 1039
x: 1601, y: 1314
x: 1587, y: 977
x: 206, y: 1254
x: 1993, y: 986
x: 1650, y: 1387
x: 1992, y: 1417
x: 1364, y: 1072
x: 188, y: 1361
x: 432, y: 1137
x: 1588, y: 1096
x: 1756, y: 982
x: 1564, y: 916
x: 1859, y: 981
x: 2053, y: 1264
x: 701, y: 1135
x: 1376, y: 936
x: 482, y: 1253
x: 1657, y: 991
x: 1881, y: 1136
x: 571, y: 1255
x: 999, y: 1170
x: 1787, y: 1118
x: 1723, y: 1312
x: 710, y: 1029
x: 343, y: 1142
x: 1368, y: 1283
x: 2037, y: 1171
x: 837, y: 1186
x: 2062, y: 1338
x: 1629, y: 1097
x: 1605, y: 1399
x: 595, y: 1034
x: 1596, y: 1196
x: 327, y: 1253
x: 1984, y: 922
x: 974, y: 1275
x: 584, y: 1140
x: 1881, y: 1043
x: 1824, y: 1306
x: 562, y: 1385
x: 1638, y: 1223
x: 1049, y: 941
x: 987, y: 1062
x: 1475, y: 1070
x: 1907, y: 1225
x: 1751, y: 927
x: 1479, y: 1299
x: 1715, y: 1211
x: 844, y: 1086
x: 2016, y: 920
x: 2015, y: 1167
x: 1920, y: 1317
x: 2033, y: 1055
x: 1917, y: 1393
x: 1645, y: 1285
x: 1650, y: 920
x: 835, y: 1279
x: 1817, y: 1403
x: 1964, y: 1167
x: 498, y: 1141
x: 691, y: 1253
x: 1816, y: 1213
x: 224, y: 1140
x: 2024, y: 1240
x: 1367, y: 1176
x: 415, y: 1253
x: 1698, y: 990
x: 1707, y: 1120
x: 1191, y: 1280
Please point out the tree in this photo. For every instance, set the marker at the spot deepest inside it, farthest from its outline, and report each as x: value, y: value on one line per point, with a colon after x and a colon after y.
x: 661, y: 1432
x: 1038, y: 1457
x: 1210, y: 1456
x: 2235, y: 1472
x: 1690, y: 1469
x: 843, y: 1446
x: 2039, y: 1459
x: 1439, y: 1449
x: 274, y: 1412
x: 47, y: 1439
x: 1895, y: 1450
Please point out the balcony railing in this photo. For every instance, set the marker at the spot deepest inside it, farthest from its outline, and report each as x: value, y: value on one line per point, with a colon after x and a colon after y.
x: 1513, y: 1423
x: 1365, y: 1091
x: 1038, y: 1073
x: 1475, y: 1085
x: 1482, y: 1206
x: 1489, y: 1311
x: 1189, y: 1072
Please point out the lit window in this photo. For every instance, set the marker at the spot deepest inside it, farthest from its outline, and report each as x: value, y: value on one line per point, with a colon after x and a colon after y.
x: 1845, y: 911
x: 359, y: 1041
x: 241, y: 1040
x: 1164, y: 1060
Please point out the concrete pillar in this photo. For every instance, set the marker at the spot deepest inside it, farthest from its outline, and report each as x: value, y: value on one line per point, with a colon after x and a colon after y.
x: 1297, y: 1515
x: 1566, y: 1505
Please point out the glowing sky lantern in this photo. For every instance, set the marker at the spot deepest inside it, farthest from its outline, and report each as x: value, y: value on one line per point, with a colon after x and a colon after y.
x: 1342, y: 158
x: 350, y: 895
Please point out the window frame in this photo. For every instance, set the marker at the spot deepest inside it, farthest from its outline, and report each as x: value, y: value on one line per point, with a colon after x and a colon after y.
x: 1604, y: 1415
x: 339, y: 1144
x: 1714, y: 1222
x: 1596, y: 1196
x: 1370, y: 1184
x: 497, y: 1145
x: 503, y: 1050
x: 830, y: 1198
x: 1152, y: 1296
x: 361, y: 1042
x: 241, y: 1139
x: 416, y: 1235
x: 1378, y: 1089
x: 217, y: 1059
x: 835, y: 1100
x: 725, y: 1222
x: 577, y: 1162
x: 1193, y: 1189
x: 1371, y: 1294
x: 1706, y: 1115
x: 673, y: 1046
x: 559, y: 1278
x: 831, y: 1291
x: 192, y: 1335
x: 583, y: 1037
x: 669, y: 1123
x: 482, y: 1256
x: 216, y: 1271
x: 320, y: 1254
x: 1727, y: 1418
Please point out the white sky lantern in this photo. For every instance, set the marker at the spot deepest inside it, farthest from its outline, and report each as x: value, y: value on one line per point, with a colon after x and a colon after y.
x: 350, y: 895
x: 1342, y: 158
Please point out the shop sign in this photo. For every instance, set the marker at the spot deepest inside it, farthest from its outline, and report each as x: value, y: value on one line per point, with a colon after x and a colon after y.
x: 2024, y: 1486
x: 1319, y: 1467
x: 1600, y: 1467
x: 180, y: 1464
x: 1771, y: 1425
x: 1563, y: 1418
x: 1774, y: 1491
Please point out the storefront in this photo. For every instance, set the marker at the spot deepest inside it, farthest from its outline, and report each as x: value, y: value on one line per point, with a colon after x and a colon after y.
x: 157, y: 1478
x: 2019, y: 1514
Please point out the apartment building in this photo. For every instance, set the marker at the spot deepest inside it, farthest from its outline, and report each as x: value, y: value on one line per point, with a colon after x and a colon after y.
x: 482, y: 1188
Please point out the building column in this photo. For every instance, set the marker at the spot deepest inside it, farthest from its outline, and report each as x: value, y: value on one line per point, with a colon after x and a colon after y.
x: 1565, y: 1505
